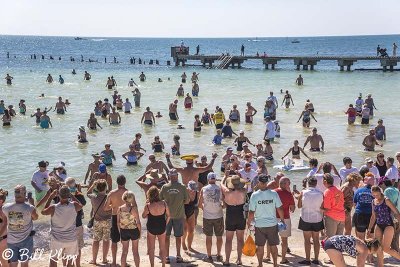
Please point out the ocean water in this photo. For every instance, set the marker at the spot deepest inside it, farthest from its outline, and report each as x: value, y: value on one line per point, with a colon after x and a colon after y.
x: 24, y: 144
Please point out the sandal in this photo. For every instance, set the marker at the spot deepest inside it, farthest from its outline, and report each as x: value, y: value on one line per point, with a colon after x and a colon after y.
x: 285, y: 261
x: 267, y: 260
x: 305, y: 262
x: 219, y: 258
x: 179, y: 259
x: 226, y: 264
x: 208, y: 259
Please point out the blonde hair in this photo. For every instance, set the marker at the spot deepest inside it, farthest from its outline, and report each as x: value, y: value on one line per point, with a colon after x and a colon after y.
x: 129, y: 197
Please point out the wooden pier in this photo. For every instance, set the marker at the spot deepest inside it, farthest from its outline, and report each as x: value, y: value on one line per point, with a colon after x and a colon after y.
x: 181, y: 56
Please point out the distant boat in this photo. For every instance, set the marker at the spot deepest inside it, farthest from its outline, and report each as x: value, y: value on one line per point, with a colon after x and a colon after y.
x: 295, y: 41
x: 254, y: 40
x: 79, y: 38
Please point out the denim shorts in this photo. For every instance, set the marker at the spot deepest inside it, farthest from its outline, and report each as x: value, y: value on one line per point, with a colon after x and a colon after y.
x: 22, y: 251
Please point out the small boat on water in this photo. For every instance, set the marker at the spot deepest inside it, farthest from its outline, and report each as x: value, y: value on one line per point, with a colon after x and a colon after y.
x: 79, y: 38
x: 295, y: 41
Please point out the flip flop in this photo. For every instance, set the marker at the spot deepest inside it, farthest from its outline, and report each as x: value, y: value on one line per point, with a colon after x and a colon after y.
x: 208, y: 259
x: 179, y: 259
x: 285, y: 261
x: 316, y: 262
x: 305, y: 262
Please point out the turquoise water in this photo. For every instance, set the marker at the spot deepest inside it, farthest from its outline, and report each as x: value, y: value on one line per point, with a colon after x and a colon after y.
x: 24, y: 144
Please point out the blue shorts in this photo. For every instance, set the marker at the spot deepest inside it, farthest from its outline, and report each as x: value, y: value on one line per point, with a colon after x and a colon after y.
x: 176, y: 225
x: 21, y: 251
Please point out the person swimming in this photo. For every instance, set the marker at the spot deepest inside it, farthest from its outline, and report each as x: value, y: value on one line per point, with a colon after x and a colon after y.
x: 82, y: 135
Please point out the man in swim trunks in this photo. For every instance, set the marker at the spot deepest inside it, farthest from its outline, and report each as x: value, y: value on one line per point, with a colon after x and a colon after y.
x: 190, y: 173
x: 49, y: 78
x: 87, y: 76
x: 61, y: 108
x: 8, y: 79
x: 184, y: 77
x: 109, y: 83
x: 188, y: 101
x: 173, y: 113
x: 114, y: 118
x: 137, y: 95
x: 148, y: 117
x: 195, y: 89
x: 113, y: 202
x: 299, y: 80
x: 370, y: 141
x: 93, y: 123
x: 181, y: 91
x: 250, y: 112
x: 314, y: 140
x: 132, y: 83
x: 93, y: 167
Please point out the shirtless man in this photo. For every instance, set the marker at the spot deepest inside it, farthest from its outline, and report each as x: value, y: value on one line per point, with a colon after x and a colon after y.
x: 250, y: 112
x: 155, y: 178
x: 148, y: 117
x: 314, y: 140
x: 92, y: 168
x: 188, y: 103
x: 190, y: 173
x: 114, y: 118
x: 102, y: 174
x: 226, y: 158
x: 131, y: 83
x: 49, y: 78
x: 173, y: 113
x: 195, y: 77
x: 87, y: 76
x: 195, y: 89
x: 370, y: 141
x: 299, y: 80
x: 93, y: 123
x: 8, y: 79
x: 113, y: 202
x: 184, y: 77
x: 370, y: 104
x: 109, y: 83
x: 156, y: 165
x: 61, y: 108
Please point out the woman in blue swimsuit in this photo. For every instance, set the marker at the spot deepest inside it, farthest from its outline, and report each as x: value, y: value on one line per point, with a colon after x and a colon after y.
x: 132, y: 156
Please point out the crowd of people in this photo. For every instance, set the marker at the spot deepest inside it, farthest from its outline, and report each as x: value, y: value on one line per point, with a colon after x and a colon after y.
x: 238, y: 195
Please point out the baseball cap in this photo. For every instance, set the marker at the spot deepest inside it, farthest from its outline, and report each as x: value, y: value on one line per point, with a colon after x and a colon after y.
x: 102, y: 168
x: 229, y: 148
x: 173, y: 172
x: 43, y: 164
x: 192, y: 185
x: 211, y: 176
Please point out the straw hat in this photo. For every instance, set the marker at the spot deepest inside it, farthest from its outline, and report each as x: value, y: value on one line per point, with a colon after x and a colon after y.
x: 153, y: 175
x: 235, y: 182
x: 189, y: 157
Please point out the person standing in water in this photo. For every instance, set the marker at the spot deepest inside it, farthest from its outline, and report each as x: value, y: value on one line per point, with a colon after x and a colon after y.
x: 195, y: 89
x: 137, y: 95
x: 188, y: 102
x: 87, y: 76
x: 49, y: 78
x: 45, y: 121
x: 369, y: 101
x: 142, y: 77
x: 132, y: 83
x: 60, y: 79
x: 306, y: 114
x: 299, y: 80
x: 181, y: 91
x: 380, y: 131
x: 184, y: 77
x: 234, y: 115
x: 114, y: 118
x: 60, y: 107
x: 250, y: 112
x: 314, y: 139
x: 173, y: 113
x: 148, y: 117
x: 370, y: 141
x: 351, y: 114
x: 296, y: 151
x: 8, y: 79
x: 287, y: 98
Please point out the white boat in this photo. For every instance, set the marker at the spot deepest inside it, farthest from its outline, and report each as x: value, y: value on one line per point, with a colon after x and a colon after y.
x: 292, y: 165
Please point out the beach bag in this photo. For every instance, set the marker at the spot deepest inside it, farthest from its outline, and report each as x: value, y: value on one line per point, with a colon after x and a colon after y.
x: 91, y: 221
x: 249, y: 248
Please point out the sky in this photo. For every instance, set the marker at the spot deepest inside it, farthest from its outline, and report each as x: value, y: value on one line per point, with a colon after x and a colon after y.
x: 199, y: 18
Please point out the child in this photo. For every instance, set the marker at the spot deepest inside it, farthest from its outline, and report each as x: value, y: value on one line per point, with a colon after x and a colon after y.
x: 157, y: 145
x: 260, y: 150
x: 11, y: 111
x: 67, y: 102
x: 177, y: 146
x: 22, y: 107
x: 277, y: 129
x: 351, y: 114
x: 158, y: 115
x: 82, y: 135
x: 218, y: 138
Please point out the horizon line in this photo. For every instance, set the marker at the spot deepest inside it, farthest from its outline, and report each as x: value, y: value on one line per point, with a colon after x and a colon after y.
x: 182, y: 37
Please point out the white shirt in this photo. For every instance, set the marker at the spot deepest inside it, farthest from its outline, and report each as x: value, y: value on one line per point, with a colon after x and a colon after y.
x: 212, y: 202
x: 253, y: 164
x: 374, y: 170
x: 271, y: 129
x: 320, y: 181
x: 311, y: 210
x: 343, y: 172
x: 249, y: 176
x: 40, y: 179
x: 392, y: 173
x: 127, y: 106
x: 274, y: 100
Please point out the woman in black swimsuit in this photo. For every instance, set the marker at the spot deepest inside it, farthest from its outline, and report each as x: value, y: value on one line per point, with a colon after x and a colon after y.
x: 157, y: 214
x: 240, y: 140
x: 296, y: 151
x: 197, y: 123
x: 190, y: 221
x: 380, y: 164
x: 157, y: 145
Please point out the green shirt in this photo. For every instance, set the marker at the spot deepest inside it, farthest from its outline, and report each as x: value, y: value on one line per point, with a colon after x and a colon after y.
x: 176, y: 195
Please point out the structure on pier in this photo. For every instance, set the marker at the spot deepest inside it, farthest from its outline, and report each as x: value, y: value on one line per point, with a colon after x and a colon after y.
x: 181, y: 56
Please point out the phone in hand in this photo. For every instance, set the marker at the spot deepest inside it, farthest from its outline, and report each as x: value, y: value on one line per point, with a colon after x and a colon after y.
x: 294, y: 188
x: 29, y: 195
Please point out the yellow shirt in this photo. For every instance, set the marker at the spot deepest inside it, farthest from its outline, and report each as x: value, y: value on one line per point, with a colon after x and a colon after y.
x: 219, y: 118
